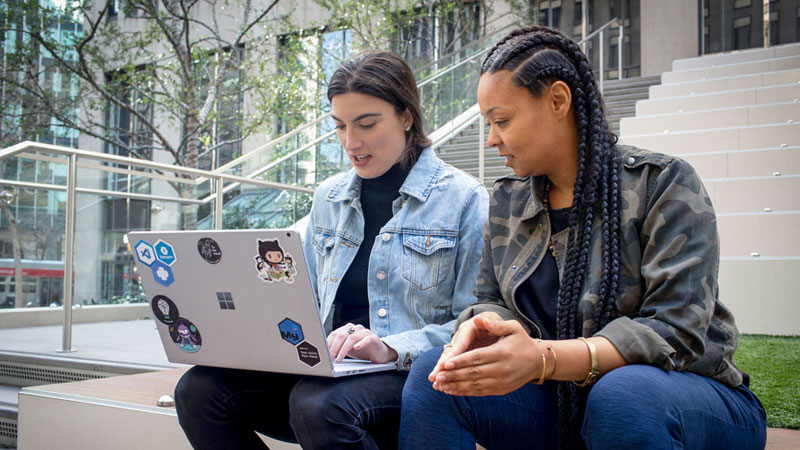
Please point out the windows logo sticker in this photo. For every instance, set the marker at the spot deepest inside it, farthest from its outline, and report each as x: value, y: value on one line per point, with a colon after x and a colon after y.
x: 225, y: 300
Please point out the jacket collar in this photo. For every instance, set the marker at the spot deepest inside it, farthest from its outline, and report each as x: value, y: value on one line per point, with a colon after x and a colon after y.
x: 534, y: 204
x: 418, y: 184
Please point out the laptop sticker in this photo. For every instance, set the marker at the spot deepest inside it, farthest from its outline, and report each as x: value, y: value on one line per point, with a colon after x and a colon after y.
x: 225, y: 300
x: 291, y: 331
x: 165, y: 310
x: 186, y: 335
x: 273, y: 264
x: 162, y: 273
x: 308, y: 354
x: 165, y: 253
x: 209, y: 250
x: 145, y: 253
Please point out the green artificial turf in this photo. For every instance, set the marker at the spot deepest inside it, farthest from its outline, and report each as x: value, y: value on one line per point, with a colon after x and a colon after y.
x: 773, y: 363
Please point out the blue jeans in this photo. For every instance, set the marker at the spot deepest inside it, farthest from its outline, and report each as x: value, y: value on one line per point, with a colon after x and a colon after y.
x: 633, y: 407
x: 222, y: 408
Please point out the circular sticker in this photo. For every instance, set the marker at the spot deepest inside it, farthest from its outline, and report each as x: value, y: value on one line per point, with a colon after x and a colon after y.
x: 209, y: 250
x: 164, y: 309
x: 185, y: 335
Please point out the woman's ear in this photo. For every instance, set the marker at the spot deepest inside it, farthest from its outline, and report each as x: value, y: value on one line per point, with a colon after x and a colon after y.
x: 408, y: 120
x: 560, y: 98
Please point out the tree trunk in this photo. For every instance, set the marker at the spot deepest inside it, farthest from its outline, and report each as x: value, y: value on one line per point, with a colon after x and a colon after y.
x: 12, y: 226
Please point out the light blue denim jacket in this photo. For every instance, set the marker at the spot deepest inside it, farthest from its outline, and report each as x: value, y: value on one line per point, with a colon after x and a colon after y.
x: 424, y: 261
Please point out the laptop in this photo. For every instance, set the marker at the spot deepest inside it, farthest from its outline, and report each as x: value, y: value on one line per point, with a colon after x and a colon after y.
x: 237, y: 298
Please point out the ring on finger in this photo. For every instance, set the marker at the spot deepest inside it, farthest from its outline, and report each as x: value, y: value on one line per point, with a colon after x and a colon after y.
x: 351, y: 330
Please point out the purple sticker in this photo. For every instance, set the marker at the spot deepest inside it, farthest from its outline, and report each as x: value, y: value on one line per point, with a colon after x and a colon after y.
x: 186, y: 335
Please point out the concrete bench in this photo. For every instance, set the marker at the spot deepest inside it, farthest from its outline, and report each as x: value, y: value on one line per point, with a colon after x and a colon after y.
x: 116, y: 412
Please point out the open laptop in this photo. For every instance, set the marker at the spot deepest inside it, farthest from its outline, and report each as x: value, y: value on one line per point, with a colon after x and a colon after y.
x: 237, y: 298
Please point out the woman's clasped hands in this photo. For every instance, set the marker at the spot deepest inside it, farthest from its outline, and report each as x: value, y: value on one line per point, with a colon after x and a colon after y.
x: 487, y: 356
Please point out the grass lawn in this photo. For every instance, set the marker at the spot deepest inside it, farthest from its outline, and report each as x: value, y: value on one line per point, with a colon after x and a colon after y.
x: 773, y: 363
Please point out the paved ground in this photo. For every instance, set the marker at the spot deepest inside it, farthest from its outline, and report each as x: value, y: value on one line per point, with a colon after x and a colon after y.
x: 137, y: 342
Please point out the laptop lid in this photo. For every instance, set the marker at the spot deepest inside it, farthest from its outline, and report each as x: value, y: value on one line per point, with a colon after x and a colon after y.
x: 235, y: 298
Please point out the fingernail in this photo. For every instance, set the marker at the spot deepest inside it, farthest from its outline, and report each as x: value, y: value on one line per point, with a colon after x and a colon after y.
x: 357, y: 346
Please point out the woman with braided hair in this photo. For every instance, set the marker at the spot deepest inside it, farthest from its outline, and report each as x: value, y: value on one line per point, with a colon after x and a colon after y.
x: 597, y: 322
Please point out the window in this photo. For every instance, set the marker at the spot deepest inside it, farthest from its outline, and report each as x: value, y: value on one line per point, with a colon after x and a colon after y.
x: 741, y: 33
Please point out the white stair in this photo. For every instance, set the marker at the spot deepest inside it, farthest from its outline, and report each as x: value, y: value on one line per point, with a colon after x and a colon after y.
x: 736, y: 118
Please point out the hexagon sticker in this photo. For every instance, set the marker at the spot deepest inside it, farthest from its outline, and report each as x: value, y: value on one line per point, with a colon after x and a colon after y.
x: 308, y: 354
x: 162, y: 273
x: 165, y: 253
x: 145, y: 253
x: 291, y: 331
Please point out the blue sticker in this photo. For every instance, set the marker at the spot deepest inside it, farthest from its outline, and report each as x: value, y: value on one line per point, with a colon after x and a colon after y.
x: 165, y: 253
x: 291, y: 331
x: 162, y: 273
x: 145, y: 253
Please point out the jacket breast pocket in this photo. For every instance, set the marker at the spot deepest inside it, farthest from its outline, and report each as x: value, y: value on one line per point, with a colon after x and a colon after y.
x: 323, y: 242
x: 427, y: 259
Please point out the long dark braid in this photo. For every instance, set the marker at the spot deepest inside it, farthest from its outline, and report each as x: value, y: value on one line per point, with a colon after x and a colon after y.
x: 537, y: 57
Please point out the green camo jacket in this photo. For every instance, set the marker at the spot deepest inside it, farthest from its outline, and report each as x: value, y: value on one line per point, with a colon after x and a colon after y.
x: 669, y: 314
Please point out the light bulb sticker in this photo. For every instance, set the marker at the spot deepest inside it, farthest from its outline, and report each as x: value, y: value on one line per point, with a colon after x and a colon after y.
x: 164, y: 309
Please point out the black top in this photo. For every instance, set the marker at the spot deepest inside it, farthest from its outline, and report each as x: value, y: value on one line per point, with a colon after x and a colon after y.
x: 537, y: 297
x: 377, y: 195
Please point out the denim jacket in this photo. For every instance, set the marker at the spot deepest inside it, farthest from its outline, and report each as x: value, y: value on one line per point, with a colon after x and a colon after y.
x: 669, y: 313
x: 424, y: 261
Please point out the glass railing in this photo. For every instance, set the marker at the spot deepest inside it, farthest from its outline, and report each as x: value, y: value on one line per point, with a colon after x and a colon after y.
x: 63, y: 208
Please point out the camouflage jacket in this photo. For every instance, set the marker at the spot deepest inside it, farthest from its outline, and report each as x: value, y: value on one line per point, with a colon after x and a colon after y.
x: 669, y: 314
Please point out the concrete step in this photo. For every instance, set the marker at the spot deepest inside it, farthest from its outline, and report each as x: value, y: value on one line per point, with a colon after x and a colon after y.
x: 745, y: 284
x: 719, y: 118
x: 745, y: 163
x: 612, y: 85
x: 719, y: 139
x: 725, y: 84
x: 765, y: 234
x: 716, y: 100
x: 738, y: 56
x: 727, y: 70
x: 772, y: 195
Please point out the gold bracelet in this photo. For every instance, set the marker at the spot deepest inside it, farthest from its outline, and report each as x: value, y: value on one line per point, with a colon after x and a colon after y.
x: 544, y: 369
x: 555, y: 360
x: 591, y: 377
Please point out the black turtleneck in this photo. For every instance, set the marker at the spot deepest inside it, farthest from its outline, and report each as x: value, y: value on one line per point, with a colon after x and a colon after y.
x: 377, y: 195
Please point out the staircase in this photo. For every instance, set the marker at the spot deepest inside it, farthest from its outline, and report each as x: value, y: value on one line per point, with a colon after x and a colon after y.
x: 620, y: 97
x: 735, y: 117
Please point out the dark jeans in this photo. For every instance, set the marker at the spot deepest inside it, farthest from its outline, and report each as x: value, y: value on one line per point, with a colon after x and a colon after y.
x: 222, y: 409
x: 633, y: 407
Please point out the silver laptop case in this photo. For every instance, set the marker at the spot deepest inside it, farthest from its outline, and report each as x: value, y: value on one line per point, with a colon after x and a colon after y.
x: 235, y: 298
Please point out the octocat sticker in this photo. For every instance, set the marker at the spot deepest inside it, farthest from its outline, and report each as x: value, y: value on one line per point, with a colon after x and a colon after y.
x: 272, y: 263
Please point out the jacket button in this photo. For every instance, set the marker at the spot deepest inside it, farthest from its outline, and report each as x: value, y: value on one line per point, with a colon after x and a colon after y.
x: 382, y: 313
x: 381, y: 274
x: 630, y: 160
x: 386, y: 237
